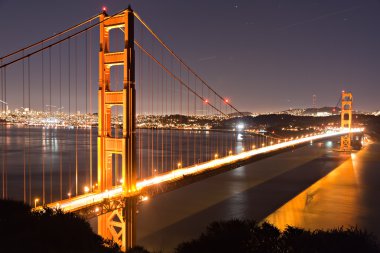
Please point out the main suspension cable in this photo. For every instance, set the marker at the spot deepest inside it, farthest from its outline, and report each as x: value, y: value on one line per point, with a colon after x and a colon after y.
x: 51, y: 37
x: 176, y: 78
x: 182, y: 61
x: 62, y: 40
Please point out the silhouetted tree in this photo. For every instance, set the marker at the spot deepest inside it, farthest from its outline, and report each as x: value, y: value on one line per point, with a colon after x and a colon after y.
x: 48, y: 230
x: 247, y: 236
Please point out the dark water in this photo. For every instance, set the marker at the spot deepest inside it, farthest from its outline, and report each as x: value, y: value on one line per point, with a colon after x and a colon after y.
x: 31, y: 156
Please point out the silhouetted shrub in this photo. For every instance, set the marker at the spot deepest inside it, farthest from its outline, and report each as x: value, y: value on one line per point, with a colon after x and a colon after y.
x: 22, y: 230
x: 247, y: 236
x: 137, y: 249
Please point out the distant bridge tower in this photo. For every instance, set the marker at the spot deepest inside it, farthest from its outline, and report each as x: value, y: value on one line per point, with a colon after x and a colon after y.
x: 346, y: 120
x: 119, y: 224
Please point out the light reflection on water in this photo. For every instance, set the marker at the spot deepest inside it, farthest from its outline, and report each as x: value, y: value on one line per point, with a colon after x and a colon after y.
x: 331, y: 202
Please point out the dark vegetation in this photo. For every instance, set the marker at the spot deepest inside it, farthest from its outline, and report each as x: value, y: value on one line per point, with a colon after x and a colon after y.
x: 247, y: 236
x: 22, y: 230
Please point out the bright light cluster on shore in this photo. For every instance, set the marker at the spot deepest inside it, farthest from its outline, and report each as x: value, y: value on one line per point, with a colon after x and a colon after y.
x: 89, y: 199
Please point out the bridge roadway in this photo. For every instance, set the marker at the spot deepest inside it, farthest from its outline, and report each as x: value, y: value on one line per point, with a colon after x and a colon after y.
x: 91, y: 201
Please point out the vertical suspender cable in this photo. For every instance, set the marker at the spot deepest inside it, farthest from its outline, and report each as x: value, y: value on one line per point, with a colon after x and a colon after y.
x: 85, y: 94
x: 188, y: 116
x: 69, y: 88
x: 90, y: 95
x: 60, y: 108
x: 140, y: 87
x: 6, y: 136
x: 29, y: 165
x: 43, y: 131
x: 162, y: 111
x: 2, y: 78
x: 76, y: 115
x: 51, y: 152
x: 23, y: 105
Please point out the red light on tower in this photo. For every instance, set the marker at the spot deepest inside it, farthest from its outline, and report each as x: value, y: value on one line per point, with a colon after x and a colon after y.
x: 206, y: 101
x: 104, y: 9
x: 226, y: 100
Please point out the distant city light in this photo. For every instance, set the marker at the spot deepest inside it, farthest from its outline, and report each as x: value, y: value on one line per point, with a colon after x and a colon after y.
x: 240, y: 126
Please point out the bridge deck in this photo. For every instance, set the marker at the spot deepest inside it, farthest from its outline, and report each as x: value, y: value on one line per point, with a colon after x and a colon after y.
x: 92, y: 199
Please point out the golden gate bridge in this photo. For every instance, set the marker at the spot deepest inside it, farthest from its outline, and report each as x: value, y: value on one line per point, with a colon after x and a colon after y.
x: 147, y: 140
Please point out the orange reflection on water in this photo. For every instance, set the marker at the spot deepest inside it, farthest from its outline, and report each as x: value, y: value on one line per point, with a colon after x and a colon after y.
x: 331, y: 202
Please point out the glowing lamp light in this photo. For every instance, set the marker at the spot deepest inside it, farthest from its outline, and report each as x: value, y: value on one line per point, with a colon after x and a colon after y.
x: 226, y: 100
x: 104, y: 9
x: 179, y: 165
x: 216, y: 156
x: 69, y: 194
x: 206, y: 101
x: 35, y: 202
x: 86, y: 189
x: 240, y: 126
x: 253, y: 146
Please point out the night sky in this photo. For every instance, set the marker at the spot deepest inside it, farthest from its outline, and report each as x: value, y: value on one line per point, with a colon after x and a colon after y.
x: 265, y: 55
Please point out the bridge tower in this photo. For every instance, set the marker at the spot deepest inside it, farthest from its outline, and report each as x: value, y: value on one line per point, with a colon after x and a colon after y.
x: 120, y: 223
x: 346, y: 120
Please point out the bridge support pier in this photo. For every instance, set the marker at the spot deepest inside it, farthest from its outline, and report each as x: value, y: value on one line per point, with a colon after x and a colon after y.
x: 120, y: 224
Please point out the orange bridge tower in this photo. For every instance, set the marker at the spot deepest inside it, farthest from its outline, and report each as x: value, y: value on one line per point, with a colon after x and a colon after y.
x: 120, y: 223
x: 346, y: 120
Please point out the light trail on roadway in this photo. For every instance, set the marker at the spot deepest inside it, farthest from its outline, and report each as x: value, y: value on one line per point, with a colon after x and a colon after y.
x: 90, y: 199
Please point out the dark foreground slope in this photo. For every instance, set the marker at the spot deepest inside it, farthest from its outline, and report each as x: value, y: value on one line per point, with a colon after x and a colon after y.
x: 22, y: 230
x: 247, y: 236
